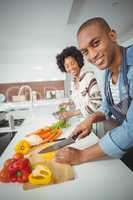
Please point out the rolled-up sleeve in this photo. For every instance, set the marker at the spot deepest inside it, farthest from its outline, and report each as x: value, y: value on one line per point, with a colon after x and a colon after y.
x: 109, y: 147
x: 118, y: 140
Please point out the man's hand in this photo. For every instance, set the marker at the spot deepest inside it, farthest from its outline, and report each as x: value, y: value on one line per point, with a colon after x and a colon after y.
x: 74, y: 156
x: 69, y: 155
x: 83, y: 129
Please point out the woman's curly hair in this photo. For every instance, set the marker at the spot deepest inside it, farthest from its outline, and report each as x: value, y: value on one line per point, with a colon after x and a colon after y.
x: 69, y: 51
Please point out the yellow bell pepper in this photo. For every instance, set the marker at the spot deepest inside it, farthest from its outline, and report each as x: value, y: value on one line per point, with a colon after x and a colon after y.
x: 49, y: 155
x: 41, y: 175
x: 22, y: 147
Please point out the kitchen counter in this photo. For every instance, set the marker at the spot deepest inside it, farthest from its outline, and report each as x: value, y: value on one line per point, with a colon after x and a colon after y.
x: 107, y: 179
x: 28, y: 105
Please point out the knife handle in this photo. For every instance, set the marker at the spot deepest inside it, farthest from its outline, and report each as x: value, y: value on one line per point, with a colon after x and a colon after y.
x: 59, y: 139
x: 75, y: 137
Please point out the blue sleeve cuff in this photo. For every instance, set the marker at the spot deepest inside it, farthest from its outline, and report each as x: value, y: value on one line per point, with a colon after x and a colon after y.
x: 106, y: 113
x: 109, y: 147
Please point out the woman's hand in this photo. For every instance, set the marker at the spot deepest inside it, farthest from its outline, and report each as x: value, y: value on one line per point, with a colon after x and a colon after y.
x: 65, y: 115
x: 64, y: 104
x: 69, y: 155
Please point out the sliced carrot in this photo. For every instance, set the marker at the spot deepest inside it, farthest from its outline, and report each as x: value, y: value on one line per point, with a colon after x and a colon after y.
x: 45, y: 134
x: 43, y: 130
x: 47, y: 129
x: 48, y: 135
x: 34, y: 132
x: 40, y: 131
x: 55, y: 135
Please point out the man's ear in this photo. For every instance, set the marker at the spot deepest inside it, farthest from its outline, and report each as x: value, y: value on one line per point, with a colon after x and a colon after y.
x: 113, y: 35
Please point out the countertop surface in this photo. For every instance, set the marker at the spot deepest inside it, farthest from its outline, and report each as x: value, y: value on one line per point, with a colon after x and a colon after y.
x: 107, y: 179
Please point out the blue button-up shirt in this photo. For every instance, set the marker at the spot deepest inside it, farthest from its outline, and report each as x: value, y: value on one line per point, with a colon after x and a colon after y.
x: 117, y: 140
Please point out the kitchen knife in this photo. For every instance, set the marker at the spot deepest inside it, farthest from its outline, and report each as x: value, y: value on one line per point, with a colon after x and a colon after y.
x: 59, y: 145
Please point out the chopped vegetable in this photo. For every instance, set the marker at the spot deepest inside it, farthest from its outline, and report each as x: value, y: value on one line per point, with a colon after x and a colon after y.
x: 17, y: 156
x: 62, y: 109
x: 39, y: 131
x: 54, y: 134
x: 22, y: 147
x: 15, y: 170
x: 19, y: 170
x: 60, y: 124
x: 34, y: 140
x: 47, y: 136
x: 41, y: 175
x: 4, y: 176
x: 49, y: 155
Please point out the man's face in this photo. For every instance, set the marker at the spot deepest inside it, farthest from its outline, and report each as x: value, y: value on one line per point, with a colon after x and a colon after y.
x: 97, y: 45
x: 71, y: 66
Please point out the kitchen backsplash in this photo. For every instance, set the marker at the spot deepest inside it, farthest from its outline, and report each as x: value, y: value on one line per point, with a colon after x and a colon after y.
x: 39, y: 90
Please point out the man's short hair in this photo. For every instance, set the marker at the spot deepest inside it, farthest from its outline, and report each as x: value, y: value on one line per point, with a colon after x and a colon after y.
x: 102, y: 22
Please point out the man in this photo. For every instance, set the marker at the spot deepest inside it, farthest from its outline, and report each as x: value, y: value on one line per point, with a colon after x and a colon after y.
x: 98, y: 43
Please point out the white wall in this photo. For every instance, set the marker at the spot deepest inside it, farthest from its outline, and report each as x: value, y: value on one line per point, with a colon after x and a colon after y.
x: 29, y: 66
x: 32, y: 33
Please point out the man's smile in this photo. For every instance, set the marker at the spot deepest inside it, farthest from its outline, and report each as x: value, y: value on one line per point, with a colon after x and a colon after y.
x: 99, y: 61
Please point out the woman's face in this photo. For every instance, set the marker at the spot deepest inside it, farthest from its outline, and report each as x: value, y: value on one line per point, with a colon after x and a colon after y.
x: 71, y: 66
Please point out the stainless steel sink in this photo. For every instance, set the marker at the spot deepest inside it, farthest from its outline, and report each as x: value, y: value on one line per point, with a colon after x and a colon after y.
x: 5, y: 139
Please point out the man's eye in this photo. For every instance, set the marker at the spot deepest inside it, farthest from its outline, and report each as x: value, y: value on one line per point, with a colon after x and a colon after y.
x: 96, y: 43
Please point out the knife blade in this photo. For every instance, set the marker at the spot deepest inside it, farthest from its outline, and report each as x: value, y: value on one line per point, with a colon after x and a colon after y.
x: 59, y: 145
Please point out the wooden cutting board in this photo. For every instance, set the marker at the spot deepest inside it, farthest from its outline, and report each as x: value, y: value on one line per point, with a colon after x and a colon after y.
x: 60, y: 172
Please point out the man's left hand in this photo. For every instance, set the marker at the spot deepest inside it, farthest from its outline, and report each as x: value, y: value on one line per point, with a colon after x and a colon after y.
x: 69, y: 155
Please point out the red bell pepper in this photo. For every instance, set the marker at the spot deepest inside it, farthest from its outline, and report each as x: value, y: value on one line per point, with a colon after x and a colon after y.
x: 19, y: 170
x: 16, y: 170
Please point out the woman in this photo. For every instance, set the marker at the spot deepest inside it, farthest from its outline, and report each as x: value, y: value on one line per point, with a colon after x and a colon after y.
x: 85, y: 93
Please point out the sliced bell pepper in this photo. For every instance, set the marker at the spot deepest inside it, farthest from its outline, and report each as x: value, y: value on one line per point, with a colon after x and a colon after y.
x: 22, y: 147
x: 49, y: 155
x: 41, y: 175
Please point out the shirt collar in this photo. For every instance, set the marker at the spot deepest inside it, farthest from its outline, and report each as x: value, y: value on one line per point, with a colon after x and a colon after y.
x: 130, y: 55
